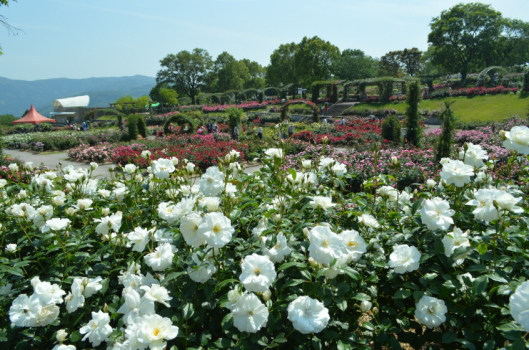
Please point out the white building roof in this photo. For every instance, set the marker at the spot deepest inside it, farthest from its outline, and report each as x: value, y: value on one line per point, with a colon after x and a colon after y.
x: 69, y: 102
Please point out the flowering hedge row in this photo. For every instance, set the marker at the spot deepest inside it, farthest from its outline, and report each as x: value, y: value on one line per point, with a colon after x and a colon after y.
x: 470, y: 92
x: 203, y: 150
x: 60, y: 140
x: 278, y: 258
x: 247, y: 106
x: 357, y: 132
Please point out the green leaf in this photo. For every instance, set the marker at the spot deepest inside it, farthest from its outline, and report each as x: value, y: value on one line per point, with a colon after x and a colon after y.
x: 188, y: 310
x: 234, y: 215
x: 353, y: 274
x: 482, y: 248
x: 225, y: 282
x: 12, y: 270
x: 509, y: 327
x: 174, y: 275
x: 293, y: 173
x: 480, y: 284
x: 342, y: 304
x: 288, y: 264
x: 368, y: 326
x: 449, y: 337
x: 361, y: 297
x: 497, y: 278
x: 402, y: 294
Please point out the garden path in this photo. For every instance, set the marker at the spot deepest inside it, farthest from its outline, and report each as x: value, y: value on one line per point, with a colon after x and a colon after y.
x: 52, y: 160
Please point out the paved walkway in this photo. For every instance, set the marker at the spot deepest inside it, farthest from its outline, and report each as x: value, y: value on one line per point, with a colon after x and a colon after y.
x: 52, y: 160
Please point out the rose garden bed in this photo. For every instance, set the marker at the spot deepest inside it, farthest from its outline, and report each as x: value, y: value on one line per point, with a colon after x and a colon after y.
x: 279, y: 258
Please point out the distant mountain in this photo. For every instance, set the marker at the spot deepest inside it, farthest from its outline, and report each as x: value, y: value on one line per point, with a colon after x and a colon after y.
x: 17, y: 95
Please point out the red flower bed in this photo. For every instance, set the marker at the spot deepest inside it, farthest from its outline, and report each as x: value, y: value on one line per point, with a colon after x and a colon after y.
x: 356, y: 131
x: 203, y: 151
x: 247, y: 106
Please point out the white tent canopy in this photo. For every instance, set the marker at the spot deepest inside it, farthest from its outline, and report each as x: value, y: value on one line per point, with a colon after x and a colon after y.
x: 72, y: 102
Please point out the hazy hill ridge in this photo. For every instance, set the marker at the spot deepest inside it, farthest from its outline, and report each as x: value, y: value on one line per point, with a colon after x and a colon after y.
x: 17, y: 95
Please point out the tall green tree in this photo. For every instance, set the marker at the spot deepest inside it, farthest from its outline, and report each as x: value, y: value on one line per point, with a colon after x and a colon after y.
x: 257, y: 75
x: 281, y: 68
x: 355, y: 64
x: 464, y: 36
x: 513, y: 47
x: 163, y: 94
x: 389, y: 65
x: 186, y: 71
x: 410, y: 60
x: 314, y: 59
x: 229, y: 74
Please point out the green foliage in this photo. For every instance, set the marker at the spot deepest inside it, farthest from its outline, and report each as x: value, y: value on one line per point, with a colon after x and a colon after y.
x: 354, y: 64
x: 465, y: 38
x: 281, y: 69
x: 314, y: 59
x: 389, y: 65
x: 188, y: 122
x: 7, y: 119
x: 391, y: 129
x: 132, y: 126
x: 234, y: 118
x: 129, y: 104
x: 23, y: 128
x: 229, y: 74
x: 142, y: 126
x: 187, y: 72
x: 310, y: 60
x: 448, y: 123
x: 395, y: 63
x: 414, y: 130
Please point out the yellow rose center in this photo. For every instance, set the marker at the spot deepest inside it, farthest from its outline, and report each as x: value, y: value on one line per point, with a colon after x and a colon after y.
x: 155, y: 332
x: 217, y: 229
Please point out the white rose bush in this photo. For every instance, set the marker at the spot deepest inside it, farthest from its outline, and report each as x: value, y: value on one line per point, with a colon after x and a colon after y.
x: 165, y: 257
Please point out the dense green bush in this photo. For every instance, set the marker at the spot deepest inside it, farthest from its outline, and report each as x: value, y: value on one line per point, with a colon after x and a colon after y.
x: 391, y: 129
x: 448, y: 122
x: 132, y: 126
x: 142, y: 127
x: 414, y: 130
x: 23, y: 128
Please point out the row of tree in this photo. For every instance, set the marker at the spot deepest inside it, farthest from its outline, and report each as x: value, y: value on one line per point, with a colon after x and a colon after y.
x: 463, y: 39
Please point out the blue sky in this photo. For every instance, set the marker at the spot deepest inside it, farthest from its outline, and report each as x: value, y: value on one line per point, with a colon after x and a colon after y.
x: 97, y: 38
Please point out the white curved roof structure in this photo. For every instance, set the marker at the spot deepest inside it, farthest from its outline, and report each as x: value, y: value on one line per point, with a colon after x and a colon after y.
x: 70, y: 102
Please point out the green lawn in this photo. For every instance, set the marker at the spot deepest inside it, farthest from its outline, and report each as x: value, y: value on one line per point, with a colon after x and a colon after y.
x: 474, y: 109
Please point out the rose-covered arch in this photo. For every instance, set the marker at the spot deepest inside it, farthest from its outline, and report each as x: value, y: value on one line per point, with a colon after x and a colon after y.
x: 486, y: 72
x: 312, y: 105
x: 182, y: 120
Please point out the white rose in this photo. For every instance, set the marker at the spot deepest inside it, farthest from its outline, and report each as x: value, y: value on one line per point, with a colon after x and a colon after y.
x: 517, y: 139
x: 308, y: 315
x: 404, y: 258
x: 430, y: 311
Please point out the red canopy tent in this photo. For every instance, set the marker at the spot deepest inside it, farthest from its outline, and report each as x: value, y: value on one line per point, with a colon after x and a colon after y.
x: 33, y: 117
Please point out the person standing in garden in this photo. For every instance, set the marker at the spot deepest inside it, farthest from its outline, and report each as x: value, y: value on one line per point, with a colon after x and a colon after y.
x: 290, y: 130
x: 260, y: 133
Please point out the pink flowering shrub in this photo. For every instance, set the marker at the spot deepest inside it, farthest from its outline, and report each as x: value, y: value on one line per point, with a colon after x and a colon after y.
x: 100, y: 153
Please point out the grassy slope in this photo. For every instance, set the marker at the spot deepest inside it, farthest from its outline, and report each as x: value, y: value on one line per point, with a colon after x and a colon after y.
x: 475, y: 109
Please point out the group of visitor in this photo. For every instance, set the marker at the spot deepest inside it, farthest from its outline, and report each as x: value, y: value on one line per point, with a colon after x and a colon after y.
x: 210, y: 128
